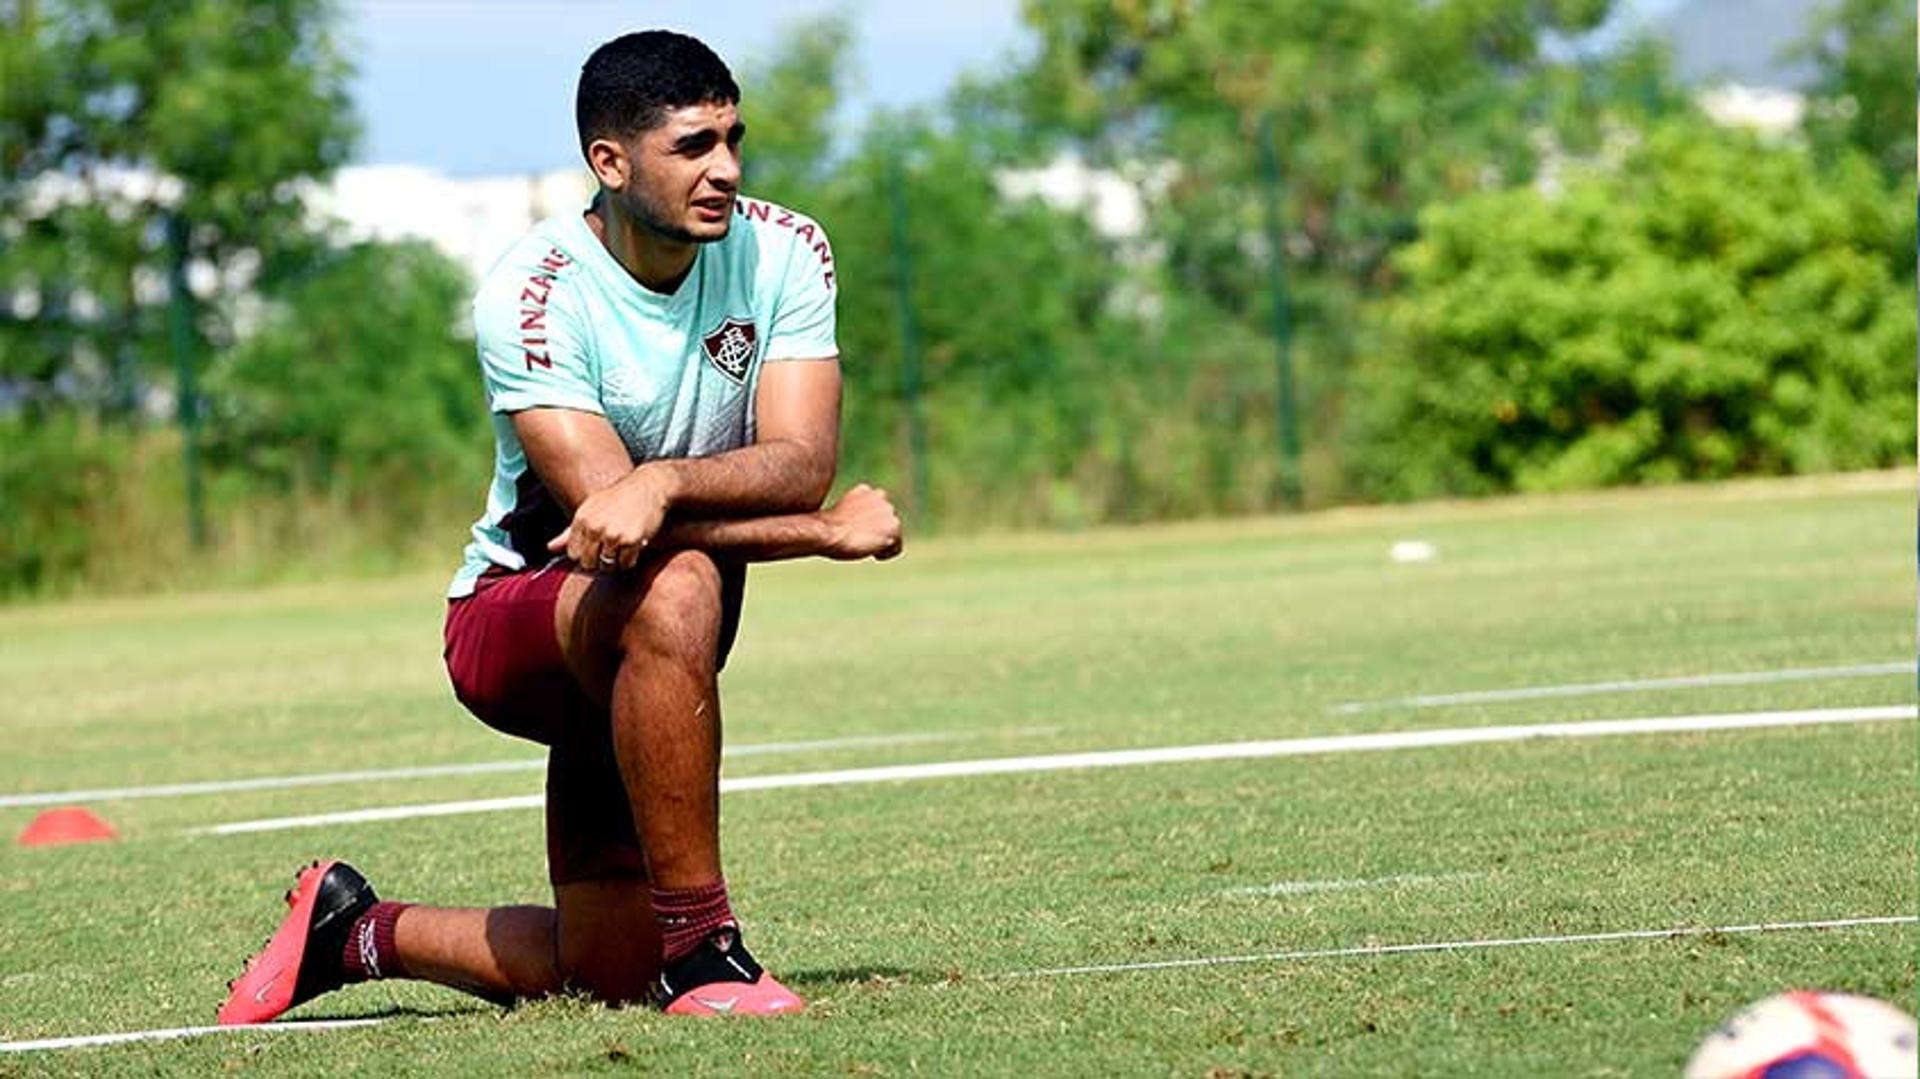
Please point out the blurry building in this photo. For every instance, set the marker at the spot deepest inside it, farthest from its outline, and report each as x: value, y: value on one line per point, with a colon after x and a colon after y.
x: 1111, y: 202
x: 472, y: 220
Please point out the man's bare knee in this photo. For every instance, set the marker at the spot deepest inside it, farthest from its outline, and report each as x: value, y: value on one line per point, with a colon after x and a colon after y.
x: 608, y: 946
x: 679, y: 614
x: 604, y: 981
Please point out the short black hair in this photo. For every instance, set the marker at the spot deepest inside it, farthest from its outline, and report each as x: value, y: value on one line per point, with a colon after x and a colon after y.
x: 628, y: 84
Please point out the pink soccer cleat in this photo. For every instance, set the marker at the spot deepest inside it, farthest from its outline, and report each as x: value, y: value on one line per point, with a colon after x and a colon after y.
x: 302, y: 960
x: 719, y: 978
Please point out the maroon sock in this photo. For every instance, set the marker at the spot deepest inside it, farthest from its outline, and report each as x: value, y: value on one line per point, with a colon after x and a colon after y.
x: 688, y: 915
x: 370, y: 953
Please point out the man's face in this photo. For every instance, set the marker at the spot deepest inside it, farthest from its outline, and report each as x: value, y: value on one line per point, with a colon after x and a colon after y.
x: 683, y: 176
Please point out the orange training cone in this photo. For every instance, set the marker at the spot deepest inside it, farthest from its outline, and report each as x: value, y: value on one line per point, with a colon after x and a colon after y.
x: 69, y: 824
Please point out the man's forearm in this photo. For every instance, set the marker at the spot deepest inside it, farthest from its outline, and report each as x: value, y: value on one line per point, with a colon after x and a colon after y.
x: 777, y: 477
x: 750, y: 539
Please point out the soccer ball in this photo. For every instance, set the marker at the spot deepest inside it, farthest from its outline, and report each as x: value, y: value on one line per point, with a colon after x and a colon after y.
x: 1807, y: 1035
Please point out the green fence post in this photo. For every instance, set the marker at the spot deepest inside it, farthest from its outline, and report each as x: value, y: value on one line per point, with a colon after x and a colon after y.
x: 180, y: 327
x: 909, y: 340
x: 1286, y: 417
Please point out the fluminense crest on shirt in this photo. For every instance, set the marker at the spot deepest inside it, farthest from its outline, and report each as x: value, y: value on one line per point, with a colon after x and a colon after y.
x: 730, y: 346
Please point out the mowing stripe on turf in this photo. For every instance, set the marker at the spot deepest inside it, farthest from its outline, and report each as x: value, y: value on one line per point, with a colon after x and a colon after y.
x: 1643, y: 685
x: 1371, y: 950
x: 427, y: 771
x: 87, y: 1041
x: 1224, y: 751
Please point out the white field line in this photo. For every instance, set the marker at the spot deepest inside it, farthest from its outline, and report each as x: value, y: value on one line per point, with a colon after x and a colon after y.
x: 1369, y: 950
x: 1644, y: 685
x: 1312, y: 887
x: 87, y: 1041
x: 1224, y: 751
x: 426, y: 771
x: 1372, y: 950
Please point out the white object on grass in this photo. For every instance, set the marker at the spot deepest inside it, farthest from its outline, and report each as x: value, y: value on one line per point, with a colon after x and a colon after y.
x: 1412, y: 551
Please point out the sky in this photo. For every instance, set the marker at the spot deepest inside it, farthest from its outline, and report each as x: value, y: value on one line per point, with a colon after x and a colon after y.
x: 479, y: 89
x: 486, y: 88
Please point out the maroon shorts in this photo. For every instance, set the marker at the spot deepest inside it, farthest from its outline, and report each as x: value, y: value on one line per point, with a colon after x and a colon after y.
x: 503, y: 657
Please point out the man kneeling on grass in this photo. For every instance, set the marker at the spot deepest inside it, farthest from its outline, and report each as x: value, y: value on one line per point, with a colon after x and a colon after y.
x: 665, y: 384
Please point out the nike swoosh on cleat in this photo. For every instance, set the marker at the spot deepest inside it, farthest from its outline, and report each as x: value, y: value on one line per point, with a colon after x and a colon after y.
x: 260, y: 994
x: 721, y: 1006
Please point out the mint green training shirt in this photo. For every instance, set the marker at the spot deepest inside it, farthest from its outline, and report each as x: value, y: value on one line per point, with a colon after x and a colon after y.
x: 561, y: 324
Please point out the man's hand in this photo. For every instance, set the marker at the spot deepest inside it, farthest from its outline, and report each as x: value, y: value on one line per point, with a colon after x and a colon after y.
x: 612, y: 527
x: 863, y: 524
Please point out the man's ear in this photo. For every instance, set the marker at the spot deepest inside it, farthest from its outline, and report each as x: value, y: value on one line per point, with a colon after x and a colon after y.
x: 610, y: 163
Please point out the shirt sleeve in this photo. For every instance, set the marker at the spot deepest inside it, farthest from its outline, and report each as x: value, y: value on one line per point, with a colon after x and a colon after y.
x: 532, y: 351
x: 803, y: 318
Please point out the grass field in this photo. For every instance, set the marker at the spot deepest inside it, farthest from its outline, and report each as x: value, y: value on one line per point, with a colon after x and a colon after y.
x: 900, y: 908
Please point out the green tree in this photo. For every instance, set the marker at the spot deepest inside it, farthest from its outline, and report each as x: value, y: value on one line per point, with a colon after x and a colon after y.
x: 1862, y: 52
x: 789, y: 102
x: 355, y: 378
x: 335, y: 376
x: 1005, y: 293
x: 1379, y: 108
x: 1008, y: 293
x: 118, y: 113
x: 1713, y: 305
